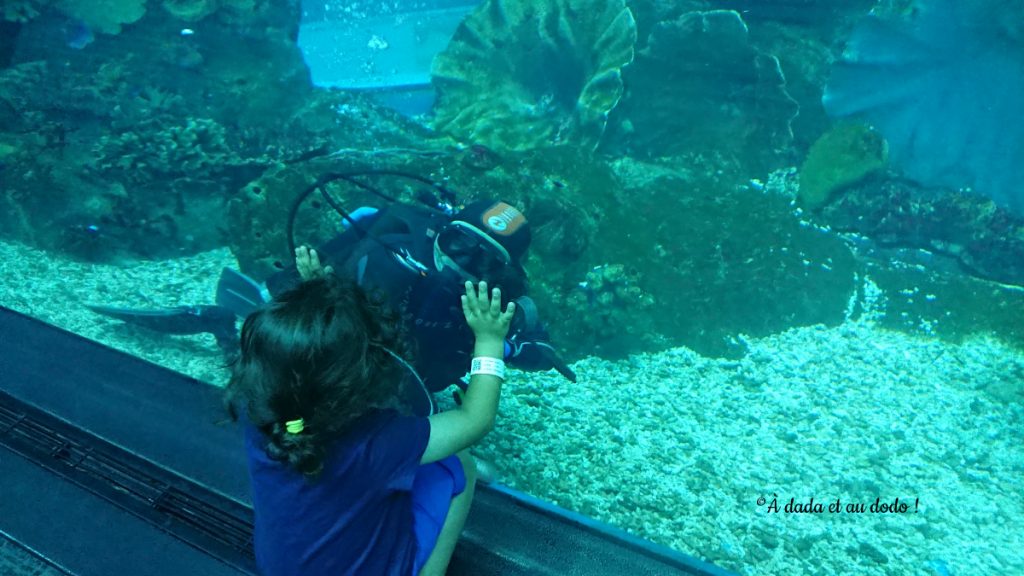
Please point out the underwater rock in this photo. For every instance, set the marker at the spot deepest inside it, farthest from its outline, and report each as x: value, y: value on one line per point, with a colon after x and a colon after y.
x: 195, y: 10
x: 19, y: 10
x: 719, y: 257
x: 8, y: 38
x: 256, y: 227
x: 699, y: 84
x: 190, y: 10
x: 522, y: 75
x: 351, y: 135
x: 105, y: 16
x: 480, y: 157
x: 722, y: 259
x: 178, y: 122
x: 609, y: 302
x: 812, y: 16
x: 842, y: 157
x: 985, y: 240
x: 560, y: 240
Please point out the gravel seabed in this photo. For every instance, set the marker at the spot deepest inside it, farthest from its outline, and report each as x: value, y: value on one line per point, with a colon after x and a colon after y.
x: 56, y: 290
x: 678, y: 448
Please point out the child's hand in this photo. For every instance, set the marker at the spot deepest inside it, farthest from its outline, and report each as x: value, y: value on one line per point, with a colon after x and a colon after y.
x: 307, y: 262
x: 483, y: 313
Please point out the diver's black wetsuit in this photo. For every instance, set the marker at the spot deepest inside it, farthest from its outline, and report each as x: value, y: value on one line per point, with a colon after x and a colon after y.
x: 391, y: 253
x: 427, y: 300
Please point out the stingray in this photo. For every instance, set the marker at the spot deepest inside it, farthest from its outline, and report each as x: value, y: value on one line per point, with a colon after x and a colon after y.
x: 943, y: 81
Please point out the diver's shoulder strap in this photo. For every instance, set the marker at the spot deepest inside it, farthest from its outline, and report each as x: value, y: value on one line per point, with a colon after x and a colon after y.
x: 396, y: 228
x: 404, y: 230
x: 407, y: 219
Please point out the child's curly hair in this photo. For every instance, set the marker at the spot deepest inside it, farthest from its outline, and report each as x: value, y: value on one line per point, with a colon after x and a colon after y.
x: 319, y: 352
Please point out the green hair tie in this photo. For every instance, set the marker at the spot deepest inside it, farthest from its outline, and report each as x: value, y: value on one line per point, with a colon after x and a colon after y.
x: 295, y: 426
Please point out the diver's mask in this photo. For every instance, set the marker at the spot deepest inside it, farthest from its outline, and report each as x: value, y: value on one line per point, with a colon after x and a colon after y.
x: 468, y: 250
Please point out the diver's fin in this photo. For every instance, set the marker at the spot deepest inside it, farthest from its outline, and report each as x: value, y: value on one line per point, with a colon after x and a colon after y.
x: 216, y: 320
x: 239, y: 293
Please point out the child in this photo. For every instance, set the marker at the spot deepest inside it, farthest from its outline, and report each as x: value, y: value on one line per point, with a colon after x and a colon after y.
x: 342, y: 483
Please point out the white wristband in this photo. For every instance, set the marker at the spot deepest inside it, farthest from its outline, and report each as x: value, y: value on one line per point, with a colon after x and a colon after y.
x: 489, y: 366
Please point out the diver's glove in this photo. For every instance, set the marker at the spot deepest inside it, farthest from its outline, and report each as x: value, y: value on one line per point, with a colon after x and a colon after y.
x: 537, y: 355
x: 528, y: 347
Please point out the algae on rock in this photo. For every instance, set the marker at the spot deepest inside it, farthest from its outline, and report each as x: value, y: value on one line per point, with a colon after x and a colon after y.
x: 523, y: 75
x: 841, y: 158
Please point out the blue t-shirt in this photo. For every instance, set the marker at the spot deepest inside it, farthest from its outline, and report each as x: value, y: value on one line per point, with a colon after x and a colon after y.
x: 356, y: 518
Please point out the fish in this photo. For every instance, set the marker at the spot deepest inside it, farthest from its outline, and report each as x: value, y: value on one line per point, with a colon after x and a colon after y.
x: 78, y: 34
x: 941, y: 80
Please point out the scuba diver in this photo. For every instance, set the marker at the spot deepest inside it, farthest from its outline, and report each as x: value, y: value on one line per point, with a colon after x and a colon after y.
x: 416, y: 258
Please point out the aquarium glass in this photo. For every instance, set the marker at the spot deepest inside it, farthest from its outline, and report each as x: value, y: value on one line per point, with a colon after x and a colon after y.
x: 777, y: 246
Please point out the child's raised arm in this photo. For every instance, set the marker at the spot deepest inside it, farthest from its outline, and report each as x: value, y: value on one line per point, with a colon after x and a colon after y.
x: 459, y: 429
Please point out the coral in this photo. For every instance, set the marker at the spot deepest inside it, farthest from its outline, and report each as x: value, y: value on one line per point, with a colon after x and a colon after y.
x: 195, y: 10
x: 105, y: 16
x: 140, y: 146
x: 841, y: 158
x: 190, y: 10
x: 522, y: 75
x: 699, y: 84
x: 609, y: 301
x: 19, y: 10
x: 154, y: 100
x: 153, y: 150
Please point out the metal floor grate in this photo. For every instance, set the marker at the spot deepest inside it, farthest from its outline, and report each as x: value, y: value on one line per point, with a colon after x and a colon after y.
x: 184, y: 509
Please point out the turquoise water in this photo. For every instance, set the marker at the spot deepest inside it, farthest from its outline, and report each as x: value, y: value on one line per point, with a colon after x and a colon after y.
x: 767, y: 298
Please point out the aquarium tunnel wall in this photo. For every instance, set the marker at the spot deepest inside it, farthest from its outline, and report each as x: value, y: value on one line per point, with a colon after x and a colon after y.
x: 778, y: 244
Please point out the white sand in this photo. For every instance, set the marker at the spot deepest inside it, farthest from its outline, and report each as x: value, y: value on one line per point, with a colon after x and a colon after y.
x: 678, y: 448
x: 56, y: 290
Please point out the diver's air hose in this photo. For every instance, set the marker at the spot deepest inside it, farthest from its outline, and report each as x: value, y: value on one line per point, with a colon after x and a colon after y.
x: 447, y: 195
